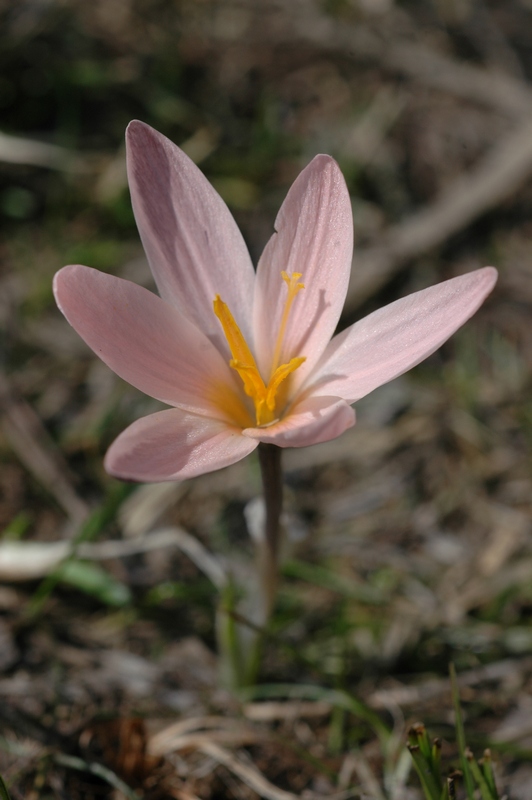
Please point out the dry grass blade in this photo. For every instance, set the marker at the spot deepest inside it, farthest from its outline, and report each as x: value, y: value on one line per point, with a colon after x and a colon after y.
x: 19, y: 150
x: 191, y: 733
x: 436, y: 687
x: 146, y: 505
x: 197, y: 553
x: 271, y: 711
x: 21, y: 561
x: 247, y: 773
x: 184, y: 794
x: 368, y: 780
x: 37, y: 451
x: 196, y: 741
x: 26, y: 561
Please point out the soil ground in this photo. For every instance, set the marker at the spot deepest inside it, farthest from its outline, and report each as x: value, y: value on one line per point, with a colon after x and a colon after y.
x: 409, y: 542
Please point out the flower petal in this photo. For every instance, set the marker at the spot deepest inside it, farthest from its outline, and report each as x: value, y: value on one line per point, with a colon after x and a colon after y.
x: 395, y: 338
x: 173, y: 445
x: 143, y: 339
x: 314, y: 236
x: 192, y: 242
x: 311, y: 421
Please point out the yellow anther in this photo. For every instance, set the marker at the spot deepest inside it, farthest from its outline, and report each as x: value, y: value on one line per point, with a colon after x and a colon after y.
x: 278, y: 377
x: 292, y: 281
x: 265, y: 396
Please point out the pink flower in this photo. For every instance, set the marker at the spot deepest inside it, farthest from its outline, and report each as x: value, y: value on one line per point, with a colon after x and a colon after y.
x: 244, y: 358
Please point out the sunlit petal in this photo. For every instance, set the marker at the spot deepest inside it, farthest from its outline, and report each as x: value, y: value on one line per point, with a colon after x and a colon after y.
x: 311, y: 421
x: 395, y: 338
x: 143, y: 339
x: 314, y: 237
x: 174, y: 445
x: 192, y: 242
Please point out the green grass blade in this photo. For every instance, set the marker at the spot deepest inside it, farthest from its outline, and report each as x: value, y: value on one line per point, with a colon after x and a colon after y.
x: 485, y: 790
x: 4, y: 794
x: 423, y: 768
x: 487, y: 770
x: 106, y: 774
x: 460, y: 735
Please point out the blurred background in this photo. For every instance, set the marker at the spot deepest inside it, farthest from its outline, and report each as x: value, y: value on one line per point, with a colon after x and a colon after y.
x: 409, y: 539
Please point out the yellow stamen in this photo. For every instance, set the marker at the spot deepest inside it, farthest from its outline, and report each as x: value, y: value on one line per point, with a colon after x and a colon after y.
x: 242, y: 357
x: 293, y: 288
x: 278, y: 377
x: 265, y: 396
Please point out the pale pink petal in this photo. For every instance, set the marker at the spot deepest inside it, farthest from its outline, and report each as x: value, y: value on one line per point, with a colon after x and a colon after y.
x: 143, y: 339
x: 311, y: 421
x: 395, y: 338
x: 192, y: 242
x: 174, y: 445
x: 314, y: 236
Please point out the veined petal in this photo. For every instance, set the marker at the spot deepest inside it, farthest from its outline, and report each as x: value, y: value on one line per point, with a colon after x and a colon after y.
x: 144, y: 340
x: 311, y: 421
x: 395, y: 338
x: 173, y: 445
x: 314, y: 237
x: 192, y: 242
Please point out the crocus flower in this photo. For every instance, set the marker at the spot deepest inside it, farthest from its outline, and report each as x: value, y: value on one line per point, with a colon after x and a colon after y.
x: 244, y: 357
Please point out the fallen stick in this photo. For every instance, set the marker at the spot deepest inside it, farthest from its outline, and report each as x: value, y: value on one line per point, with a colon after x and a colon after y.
x: 285, y: 24
x: 500, y: 173
x: 496, y: 90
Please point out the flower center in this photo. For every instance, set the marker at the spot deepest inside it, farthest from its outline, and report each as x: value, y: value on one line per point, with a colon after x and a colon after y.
x: 264, y: 395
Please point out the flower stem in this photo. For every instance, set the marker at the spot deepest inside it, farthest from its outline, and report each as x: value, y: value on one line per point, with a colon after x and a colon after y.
x: 272, y: 481
x: 243, y: 615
